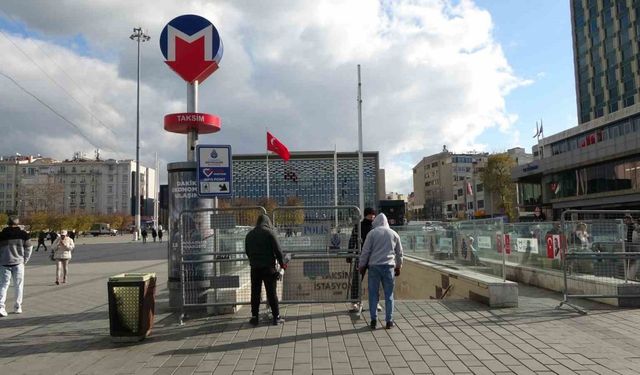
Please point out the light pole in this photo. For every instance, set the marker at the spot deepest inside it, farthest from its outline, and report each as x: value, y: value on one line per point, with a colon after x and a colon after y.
x: 139, y: 36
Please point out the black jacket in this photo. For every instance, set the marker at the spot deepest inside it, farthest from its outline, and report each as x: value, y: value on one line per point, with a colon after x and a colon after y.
x: 365, y: 228
x: 261, y: 245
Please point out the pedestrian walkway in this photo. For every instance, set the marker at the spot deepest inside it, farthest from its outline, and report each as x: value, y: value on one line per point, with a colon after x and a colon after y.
x: 64, y: 330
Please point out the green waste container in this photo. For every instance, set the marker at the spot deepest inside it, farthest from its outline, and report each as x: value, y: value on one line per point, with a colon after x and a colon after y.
x: 131, y: 305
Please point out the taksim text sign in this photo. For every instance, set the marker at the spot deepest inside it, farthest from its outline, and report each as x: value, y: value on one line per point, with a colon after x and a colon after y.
x: 202, y: 123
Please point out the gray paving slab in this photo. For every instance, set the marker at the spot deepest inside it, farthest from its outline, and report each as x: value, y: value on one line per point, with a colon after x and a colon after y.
x: 65, y: 330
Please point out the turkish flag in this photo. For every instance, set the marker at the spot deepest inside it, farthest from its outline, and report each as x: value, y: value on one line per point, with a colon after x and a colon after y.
x: 273, y: 144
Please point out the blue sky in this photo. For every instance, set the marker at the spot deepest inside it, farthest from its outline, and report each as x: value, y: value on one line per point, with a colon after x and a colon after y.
x: 536, y: 38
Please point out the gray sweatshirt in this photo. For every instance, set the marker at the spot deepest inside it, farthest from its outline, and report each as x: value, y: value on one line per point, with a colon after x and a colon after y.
x: 15, y: 246
x: 382, y: 246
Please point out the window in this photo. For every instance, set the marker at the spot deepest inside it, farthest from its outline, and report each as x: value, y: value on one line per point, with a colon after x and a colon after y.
x: 480, y: 204
x: 479, y: 188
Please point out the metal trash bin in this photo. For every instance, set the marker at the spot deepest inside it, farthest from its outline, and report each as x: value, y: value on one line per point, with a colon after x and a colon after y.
x: 131, y: 305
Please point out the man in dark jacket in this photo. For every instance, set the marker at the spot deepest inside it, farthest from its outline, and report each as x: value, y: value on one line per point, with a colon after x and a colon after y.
x: 15, y: 251
x: 263, y: 251
x: 42, y: 236
x: 365, y: 228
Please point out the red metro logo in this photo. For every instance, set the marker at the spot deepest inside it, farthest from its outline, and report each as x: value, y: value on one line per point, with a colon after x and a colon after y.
x: 191, y: 47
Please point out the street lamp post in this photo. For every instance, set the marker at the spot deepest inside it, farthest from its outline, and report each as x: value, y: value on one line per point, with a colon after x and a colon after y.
x: 139, y: 36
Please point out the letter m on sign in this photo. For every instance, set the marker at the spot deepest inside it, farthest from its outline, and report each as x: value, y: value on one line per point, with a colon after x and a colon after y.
x: 192, y: 47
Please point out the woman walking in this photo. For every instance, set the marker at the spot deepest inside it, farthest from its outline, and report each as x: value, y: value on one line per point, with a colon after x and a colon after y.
x: 62, y: 248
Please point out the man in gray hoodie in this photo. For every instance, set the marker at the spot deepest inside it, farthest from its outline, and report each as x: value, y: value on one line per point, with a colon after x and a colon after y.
x: 15, y: 251
x: 382, y: 255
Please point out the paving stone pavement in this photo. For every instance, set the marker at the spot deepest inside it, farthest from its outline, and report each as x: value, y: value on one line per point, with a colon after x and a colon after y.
x: 65, y: 330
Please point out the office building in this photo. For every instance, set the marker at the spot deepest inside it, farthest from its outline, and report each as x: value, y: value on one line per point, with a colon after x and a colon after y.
x: 605, y: 47
x: 594, y: 165
x: 307, y: 176
x: 447, y: 185
x: 80, y: 184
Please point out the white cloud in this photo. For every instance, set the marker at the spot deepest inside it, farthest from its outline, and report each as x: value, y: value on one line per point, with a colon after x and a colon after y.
x: 432, y: 75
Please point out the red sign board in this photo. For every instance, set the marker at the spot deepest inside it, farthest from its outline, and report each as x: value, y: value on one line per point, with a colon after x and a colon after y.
x: 203, y: 123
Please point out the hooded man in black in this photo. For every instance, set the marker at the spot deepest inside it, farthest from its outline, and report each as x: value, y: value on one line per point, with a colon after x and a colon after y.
x: 365, y: 228
x: 263, y: 251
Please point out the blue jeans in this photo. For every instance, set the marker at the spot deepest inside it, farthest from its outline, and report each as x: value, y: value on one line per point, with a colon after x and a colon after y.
x: 385, y: 275
x: 7, y: 273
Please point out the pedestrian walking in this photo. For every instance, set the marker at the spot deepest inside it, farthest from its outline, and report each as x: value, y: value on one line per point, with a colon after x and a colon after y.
x: 42, y: 236
x: 160, y: 233
x: 144, y: 235
x: 631, y: 246
x: 52, y: 236
x: 62, y: 249
x: 382, y: 255
x: 154, y: 234
x: 15, y: 251
x: 365, y: 228
x: 263, y: 250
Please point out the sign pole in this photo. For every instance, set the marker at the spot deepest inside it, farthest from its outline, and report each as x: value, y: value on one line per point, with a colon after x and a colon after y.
x: 192, y: 107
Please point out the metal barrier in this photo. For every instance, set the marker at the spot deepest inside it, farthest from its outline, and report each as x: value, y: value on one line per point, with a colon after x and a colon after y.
x: 214, y: 269
x: 324, y: 245
x: 599, y: 260
x: 476, y: 244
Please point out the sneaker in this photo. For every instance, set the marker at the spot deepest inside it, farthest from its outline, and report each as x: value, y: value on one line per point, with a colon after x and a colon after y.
x: 18, y: 310
x: 3, y: 312
x: 277, y: 321
x: 355, y: 308
x: 254, y: 321
x: 373, y: 323
x: 389, y: 325
x: 379, y: 308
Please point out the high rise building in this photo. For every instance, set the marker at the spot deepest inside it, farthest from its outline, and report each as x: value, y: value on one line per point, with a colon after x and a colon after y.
x: 605, y: 49
x: 596, y: 164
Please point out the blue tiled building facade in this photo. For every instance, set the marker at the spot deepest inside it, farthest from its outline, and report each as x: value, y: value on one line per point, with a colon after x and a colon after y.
x: 309, y: 176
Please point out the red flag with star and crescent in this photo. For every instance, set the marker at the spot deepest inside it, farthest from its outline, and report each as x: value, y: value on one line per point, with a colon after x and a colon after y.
x: 273, y: 144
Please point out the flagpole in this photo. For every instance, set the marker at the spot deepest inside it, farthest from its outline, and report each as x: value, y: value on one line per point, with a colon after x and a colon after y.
x: 360, y: 157
x: 542, y: 144
x: 267, y: 174
x: 335, y: 181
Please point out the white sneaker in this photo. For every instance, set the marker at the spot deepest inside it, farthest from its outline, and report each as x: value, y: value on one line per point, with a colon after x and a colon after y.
x: 355, y: 307
x: 18, y: 310
x: 3, y: 312
x: 379, y: 308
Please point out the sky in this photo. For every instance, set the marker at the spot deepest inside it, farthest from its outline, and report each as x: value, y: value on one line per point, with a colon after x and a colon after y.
x: 471, y: 75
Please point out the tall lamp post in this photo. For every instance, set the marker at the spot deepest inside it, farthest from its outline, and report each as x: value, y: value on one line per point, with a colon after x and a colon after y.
x: 139, y: 36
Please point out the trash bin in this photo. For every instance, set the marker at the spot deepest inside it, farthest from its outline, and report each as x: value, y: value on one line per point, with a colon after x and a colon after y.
x: 131, y: 305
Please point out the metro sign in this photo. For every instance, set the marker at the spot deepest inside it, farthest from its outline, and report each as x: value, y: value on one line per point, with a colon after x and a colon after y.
x: 191, y: 47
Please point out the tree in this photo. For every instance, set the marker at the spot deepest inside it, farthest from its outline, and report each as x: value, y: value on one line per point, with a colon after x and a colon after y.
x: 292, y: 216
x: 496, y: 177
x: 37, y: 221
